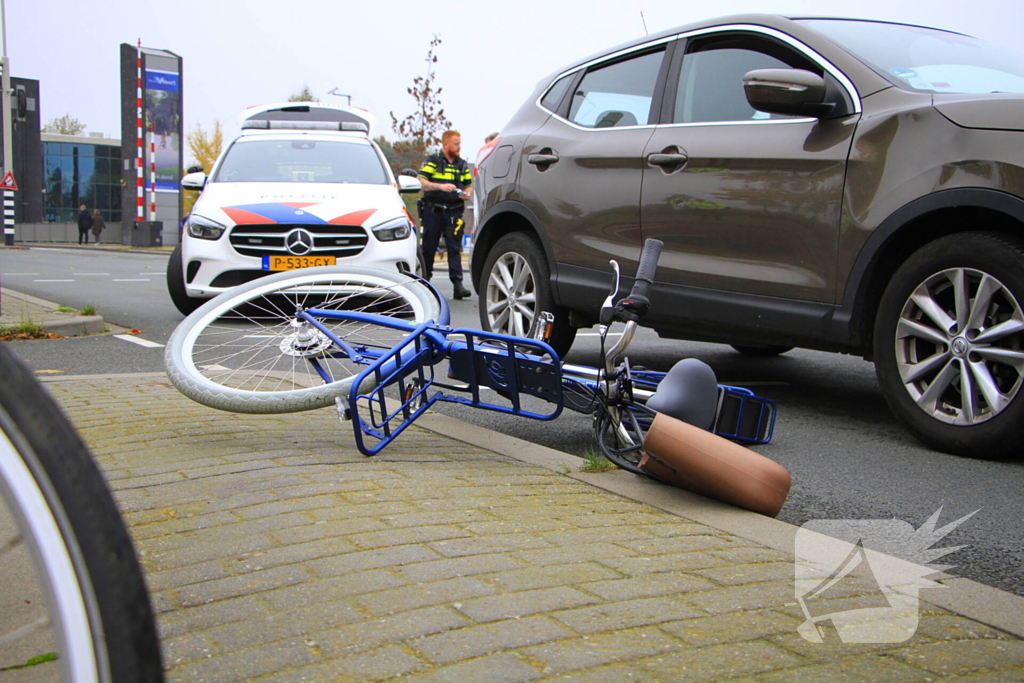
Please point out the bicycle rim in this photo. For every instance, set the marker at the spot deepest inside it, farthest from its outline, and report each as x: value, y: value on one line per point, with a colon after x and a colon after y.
x: 244, y: 352
x: 63, y: 543
x: 620, y: 436
x: 41, y: 532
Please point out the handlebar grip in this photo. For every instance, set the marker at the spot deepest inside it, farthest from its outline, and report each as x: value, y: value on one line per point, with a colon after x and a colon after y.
x: 649, y: 259
x: 636, y: 305
x: 645, y: 273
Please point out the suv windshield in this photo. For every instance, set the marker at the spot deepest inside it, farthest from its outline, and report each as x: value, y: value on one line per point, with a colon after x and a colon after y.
x: 301, y: 161
x: 928, y: 59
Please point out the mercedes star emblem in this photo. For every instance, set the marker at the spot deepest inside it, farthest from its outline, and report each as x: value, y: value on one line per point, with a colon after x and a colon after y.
x: 299, y: 242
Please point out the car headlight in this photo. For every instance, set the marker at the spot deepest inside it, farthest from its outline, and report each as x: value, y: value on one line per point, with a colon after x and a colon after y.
x: 398, y: 229
x: 204, y: 228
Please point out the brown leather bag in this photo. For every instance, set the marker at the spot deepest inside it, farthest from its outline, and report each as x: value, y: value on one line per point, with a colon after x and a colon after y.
x: 698, y: 461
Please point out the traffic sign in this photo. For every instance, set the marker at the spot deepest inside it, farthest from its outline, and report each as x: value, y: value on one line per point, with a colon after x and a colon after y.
x: 8, y: 182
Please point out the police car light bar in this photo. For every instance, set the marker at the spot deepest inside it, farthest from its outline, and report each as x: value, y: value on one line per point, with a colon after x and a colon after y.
x: 308, y: 125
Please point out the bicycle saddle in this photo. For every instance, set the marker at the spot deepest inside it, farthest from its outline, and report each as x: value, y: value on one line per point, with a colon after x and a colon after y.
x: 689, y: 392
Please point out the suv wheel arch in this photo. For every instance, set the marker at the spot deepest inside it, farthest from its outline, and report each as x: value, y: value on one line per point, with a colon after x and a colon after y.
x: 906, y: 231
x: 501, y: 219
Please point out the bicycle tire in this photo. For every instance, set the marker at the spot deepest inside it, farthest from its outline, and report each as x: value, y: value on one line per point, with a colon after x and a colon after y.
x: 623, y: 451
x: 214, y: 357
x: 84, y: 559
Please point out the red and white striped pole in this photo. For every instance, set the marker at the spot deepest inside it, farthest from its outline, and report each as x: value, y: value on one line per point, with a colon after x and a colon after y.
x: 152, y: 173
x: 140, y: 162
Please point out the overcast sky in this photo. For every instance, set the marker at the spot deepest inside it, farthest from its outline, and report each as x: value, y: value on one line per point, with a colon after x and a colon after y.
x: 240, y: 53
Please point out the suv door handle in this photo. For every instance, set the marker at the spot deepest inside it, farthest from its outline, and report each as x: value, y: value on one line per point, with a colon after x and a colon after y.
x: 542, y: 159
x: 667, y: 161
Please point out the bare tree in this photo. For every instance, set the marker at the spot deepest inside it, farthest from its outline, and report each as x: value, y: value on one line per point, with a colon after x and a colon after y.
x: 421, y: 130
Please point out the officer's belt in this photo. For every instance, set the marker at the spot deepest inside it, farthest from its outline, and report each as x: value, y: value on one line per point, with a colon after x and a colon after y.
x: 444, y: 207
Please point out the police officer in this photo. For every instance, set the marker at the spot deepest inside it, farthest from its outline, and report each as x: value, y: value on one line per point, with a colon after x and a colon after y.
x: 447, y: 183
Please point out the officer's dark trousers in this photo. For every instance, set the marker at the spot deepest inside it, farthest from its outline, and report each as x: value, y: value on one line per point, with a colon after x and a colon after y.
x: 438, y: 222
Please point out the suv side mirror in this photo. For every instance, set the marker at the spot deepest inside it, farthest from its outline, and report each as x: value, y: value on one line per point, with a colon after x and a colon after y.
x: 194, y: 169
x: 794, y: 92
x: 195, y: 181
x: 409, y: 172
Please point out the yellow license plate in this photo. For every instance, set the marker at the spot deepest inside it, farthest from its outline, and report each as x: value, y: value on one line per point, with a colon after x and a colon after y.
x: 296, y: 262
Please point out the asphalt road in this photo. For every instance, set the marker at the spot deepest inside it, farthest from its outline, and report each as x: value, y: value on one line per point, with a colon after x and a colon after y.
x: 849, y: 457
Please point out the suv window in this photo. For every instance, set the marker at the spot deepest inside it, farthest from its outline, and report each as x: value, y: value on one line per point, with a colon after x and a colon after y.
x: 551, y: 100
x: 927, y: 59
x: 301, y: 161
x: 711, y: 81
x: 618, y: 94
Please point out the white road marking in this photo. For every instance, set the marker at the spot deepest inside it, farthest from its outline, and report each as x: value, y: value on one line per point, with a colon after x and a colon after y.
x: 130, y: 280
x: 21, y: 273
x: 138, y: 340
x: 53, y: 280
x: 92, y: 273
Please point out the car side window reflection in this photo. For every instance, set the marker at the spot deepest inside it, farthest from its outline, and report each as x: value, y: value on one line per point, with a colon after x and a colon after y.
x: 617, y: 95
x: 551, y: 100
x: 711, y: 85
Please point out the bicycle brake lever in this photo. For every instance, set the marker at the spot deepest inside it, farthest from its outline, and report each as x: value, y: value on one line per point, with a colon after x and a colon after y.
x: 608, y: 307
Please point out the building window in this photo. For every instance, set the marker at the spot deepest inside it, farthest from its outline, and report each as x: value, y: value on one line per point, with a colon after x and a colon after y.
x: 81, y: 172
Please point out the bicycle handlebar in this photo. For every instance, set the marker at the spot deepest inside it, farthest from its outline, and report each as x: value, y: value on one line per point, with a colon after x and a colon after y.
x: 638, y: 302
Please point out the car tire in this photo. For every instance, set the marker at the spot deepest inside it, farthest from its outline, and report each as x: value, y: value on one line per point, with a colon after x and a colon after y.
x: 421, y: 266
x: 950, y: 323
x: 176, y: 284
x: 762, y: 350
x: 516, y: 288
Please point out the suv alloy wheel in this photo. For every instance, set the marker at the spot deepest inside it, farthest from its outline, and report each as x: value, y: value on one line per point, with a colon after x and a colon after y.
x: 516, y: 288
x: 949, y: 344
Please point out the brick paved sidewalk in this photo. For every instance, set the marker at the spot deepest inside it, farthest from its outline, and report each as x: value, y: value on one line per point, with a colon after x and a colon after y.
x: 276, y: 552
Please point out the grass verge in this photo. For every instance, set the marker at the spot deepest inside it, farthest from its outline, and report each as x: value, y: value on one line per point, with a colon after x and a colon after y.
x: 26, y: 331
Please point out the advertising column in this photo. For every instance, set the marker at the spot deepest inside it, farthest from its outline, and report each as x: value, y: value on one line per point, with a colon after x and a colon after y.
x: 152, y: 138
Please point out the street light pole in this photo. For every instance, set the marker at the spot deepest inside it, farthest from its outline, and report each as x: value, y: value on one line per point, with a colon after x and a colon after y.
x: 5, y: 103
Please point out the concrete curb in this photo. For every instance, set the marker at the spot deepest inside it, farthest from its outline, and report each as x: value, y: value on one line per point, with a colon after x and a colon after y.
x: 997, y: 608
x: 45, y: 315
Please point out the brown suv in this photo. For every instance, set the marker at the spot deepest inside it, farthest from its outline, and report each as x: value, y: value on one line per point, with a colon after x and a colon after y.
x: 844, y: 185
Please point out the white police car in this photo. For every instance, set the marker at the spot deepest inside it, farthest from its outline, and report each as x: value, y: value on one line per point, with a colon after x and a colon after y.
x: 302, y: 186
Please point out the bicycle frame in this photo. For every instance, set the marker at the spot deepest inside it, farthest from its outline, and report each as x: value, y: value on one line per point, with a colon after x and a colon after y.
x: 513, y: 367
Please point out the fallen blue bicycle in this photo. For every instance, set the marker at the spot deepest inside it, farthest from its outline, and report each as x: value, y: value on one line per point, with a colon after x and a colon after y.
x: 378, y: 346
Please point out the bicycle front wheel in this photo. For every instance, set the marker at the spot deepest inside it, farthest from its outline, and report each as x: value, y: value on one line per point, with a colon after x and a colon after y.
x: 245, y: 351
x: 61, y: 536
x: 620, y: 434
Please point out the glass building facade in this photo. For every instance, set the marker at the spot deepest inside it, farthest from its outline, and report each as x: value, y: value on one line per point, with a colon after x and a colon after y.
x: 80, y: 171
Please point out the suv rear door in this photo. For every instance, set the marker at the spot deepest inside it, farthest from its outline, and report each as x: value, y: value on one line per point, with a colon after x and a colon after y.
x: 581, y: 171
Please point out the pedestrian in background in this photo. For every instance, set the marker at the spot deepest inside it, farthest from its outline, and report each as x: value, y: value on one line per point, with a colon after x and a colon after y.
x: 447, y: 183
x: 97, y: 224
x: 84, y: 224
